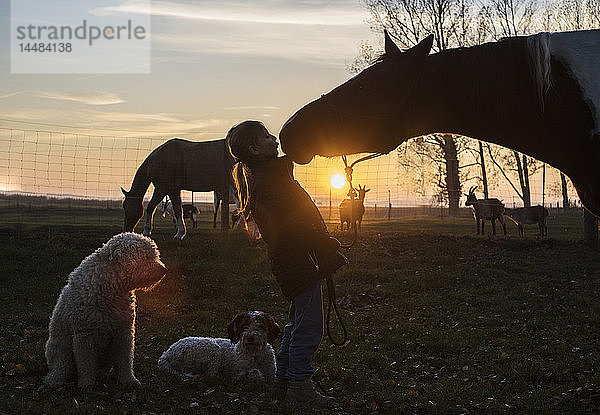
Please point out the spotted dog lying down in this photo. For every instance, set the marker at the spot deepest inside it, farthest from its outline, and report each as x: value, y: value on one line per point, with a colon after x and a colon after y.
x: 246, y: 356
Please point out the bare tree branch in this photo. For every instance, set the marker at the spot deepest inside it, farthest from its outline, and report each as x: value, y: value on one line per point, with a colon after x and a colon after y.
x: 502, y: 171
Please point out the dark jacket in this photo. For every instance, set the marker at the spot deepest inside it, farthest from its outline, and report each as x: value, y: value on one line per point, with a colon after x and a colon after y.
x: 300, y: 248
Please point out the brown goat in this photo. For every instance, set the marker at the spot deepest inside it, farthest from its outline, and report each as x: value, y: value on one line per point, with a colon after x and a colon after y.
x: 353, y: 214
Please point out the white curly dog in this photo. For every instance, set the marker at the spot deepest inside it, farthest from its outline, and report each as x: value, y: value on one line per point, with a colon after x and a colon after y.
x: 246, y: 356
x: 92, y: 327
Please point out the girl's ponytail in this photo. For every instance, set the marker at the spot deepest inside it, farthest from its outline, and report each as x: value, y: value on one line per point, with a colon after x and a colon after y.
x: 239, y: 138
x: 242, y: 178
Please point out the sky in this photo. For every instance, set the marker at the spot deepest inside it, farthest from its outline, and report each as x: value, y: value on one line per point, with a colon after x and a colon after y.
x: 213, y: 64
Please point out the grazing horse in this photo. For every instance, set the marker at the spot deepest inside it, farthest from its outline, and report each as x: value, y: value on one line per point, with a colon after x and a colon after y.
x: 537, y: 94
x: 172, y: 167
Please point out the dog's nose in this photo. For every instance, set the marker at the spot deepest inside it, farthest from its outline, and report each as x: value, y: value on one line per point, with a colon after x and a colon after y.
x: 161, y: 269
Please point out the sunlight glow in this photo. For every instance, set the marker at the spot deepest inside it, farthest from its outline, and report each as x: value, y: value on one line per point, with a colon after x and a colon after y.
x: 337, y: 181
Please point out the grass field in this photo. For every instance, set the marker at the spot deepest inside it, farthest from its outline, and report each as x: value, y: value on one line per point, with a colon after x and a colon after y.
x: 440, y: 320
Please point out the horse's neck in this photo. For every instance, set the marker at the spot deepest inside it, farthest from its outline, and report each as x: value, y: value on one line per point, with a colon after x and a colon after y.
x: 474, y: 91
x: 140, y: 183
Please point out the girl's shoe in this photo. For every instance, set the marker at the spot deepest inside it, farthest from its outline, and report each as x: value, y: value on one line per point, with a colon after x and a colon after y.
x: 304, y: 393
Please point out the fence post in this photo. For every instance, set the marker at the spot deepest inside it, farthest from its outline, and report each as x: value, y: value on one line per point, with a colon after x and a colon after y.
x: 330, y: 203
x: 225, y: 195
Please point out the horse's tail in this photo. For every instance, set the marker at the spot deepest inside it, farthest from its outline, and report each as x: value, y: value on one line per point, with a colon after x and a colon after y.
x: 141, y: 181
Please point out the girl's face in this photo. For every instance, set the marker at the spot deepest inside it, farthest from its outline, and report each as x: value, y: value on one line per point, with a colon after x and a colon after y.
x: 265, y: 146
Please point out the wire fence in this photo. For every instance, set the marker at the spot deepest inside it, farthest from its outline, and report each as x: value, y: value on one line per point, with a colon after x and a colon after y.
x: 63, y: 170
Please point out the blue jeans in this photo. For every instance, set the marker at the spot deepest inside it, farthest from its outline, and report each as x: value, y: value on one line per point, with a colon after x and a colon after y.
x: 302, y: 335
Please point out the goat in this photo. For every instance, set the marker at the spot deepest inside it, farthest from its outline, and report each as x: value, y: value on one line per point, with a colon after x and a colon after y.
x: 486, y: 209
x: 352, y: 214
x: 529, y: 216
x: 189, y: 212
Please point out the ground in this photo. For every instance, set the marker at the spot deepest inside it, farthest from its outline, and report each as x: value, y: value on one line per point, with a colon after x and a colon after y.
x: 440, y: 320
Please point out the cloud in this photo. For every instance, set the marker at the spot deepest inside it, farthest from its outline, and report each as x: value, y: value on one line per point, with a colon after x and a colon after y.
x: 95, y: 98
x: 260, y: 12
x: 251, y: 107
x: 118, y: 123
x: 12, y: 94
x: 323, y: 45
x: 318, y: 32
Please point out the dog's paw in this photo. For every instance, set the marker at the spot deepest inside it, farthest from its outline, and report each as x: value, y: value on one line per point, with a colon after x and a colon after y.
x: 85, y: 383
x: 256, y: 376
x: 52, y: 382
x: 130, y: 381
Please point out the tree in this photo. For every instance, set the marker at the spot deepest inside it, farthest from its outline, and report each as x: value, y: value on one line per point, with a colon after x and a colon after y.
x: 408, y: 22
x: 565, y: 193
x: 506, y: 18
x: 486, y: 193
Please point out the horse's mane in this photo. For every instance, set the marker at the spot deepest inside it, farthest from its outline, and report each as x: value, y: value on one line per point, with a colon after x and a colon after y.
x: 538, y: 47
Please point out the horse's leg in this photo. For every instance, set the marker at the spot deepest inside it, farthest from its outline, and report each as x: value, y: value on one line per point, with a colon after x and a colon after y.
x: 178, y: 214
x: 216, y: 203
x: 501, y: 219
x: 157, y: 196
x: 545, y: 228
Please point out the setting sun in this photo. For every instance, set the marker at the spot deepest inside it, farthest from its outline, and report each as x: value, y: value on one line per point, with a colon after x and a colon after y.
x: 338, y: 181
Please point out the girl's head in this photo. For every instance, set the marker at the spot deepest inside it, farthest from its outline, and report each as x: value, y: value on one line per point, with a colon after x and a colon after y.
x: 250, y: 141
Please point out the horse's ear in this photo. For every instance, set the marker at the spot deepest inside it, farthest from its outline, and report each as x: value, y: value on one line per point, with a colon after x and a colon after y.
x: 124, y: 192
x: 423, y: 47
x: 390, y: 46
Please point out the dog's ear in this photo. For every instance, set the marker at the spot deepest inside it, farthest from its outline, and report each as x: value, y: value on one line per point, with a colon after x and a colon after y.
x: 233, y: 328
x: 272, y: 328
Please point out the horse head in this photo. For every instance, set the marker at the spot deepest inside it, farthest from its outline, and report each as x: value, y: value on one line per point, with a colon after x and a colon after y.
x: 358, y: 115
x: 132, y: 205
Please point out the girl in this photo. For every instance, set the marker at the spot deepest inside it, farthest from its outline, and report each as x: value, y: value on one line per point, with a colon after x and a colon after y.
x: 300, y: 250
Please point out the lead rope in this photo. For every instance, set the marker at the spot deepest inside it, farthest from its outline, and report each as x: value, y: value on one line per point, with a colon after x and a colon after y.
x: 352, y: 192
x: 331, y: 298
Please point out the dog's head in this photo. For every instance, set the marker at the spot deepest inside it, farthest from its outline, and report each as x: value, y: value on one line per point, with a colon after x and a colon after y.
x: 137, y: 258
x: 254, y: 329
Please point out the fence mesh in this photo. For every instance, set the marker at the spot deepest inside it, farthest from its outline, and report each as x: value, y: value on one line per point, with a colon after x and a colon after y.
x: 55, y: 169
